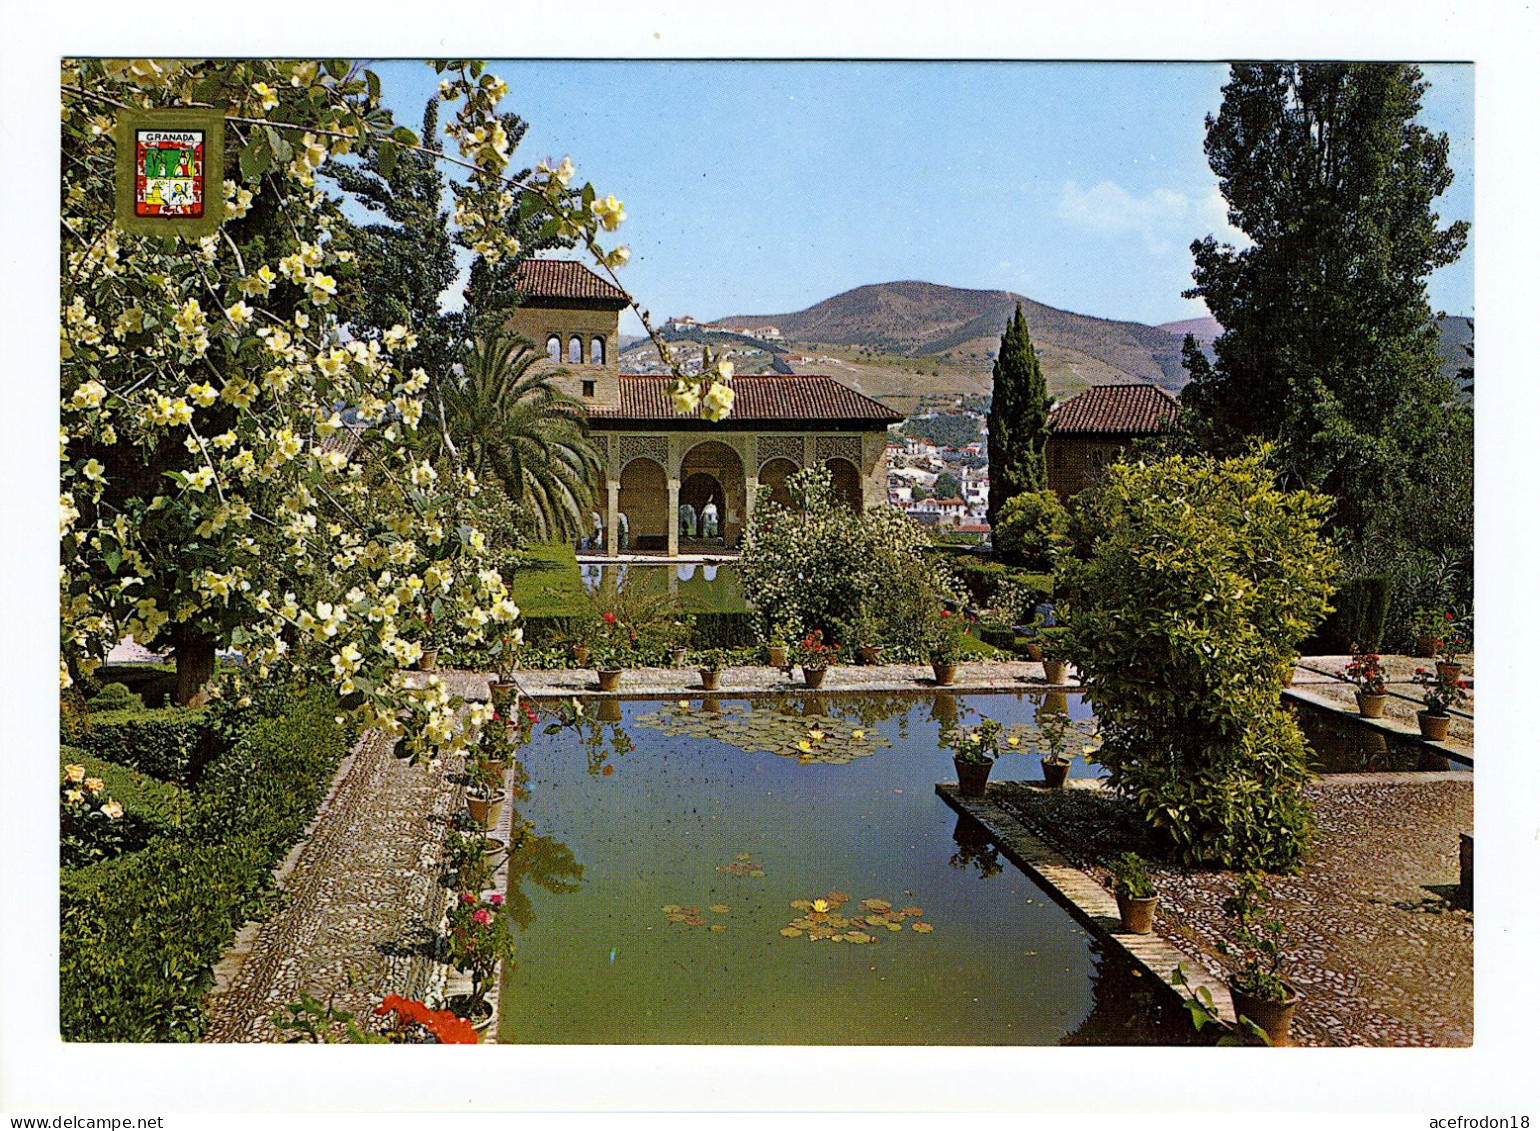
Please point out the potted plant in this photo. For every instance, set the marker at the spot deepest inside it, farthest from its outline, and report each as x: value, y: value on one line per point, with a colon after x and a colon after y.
x: 503, y: 688
x: 1051, y: 643
x: 680, y: 637
x: 580, y: 652
x: 485, y: 795
x: 1450, y: 647
x: 1428, y: 628
x: 1259, y: 992
x: 480, y: 938
x: 428, y: 661
x: 1135, y: 893
x: 1056, y: 759
x: 1440, y: 692
x: 814, y: 657
x: 1033, y: 631
x: 974, y: 750
x: 614, y: 647
x: 868, y: 638
x: 946, y: 650
x: 710, y: 669
x: 1368, y: 676
x: 493, y: 746
x: 777, y: 646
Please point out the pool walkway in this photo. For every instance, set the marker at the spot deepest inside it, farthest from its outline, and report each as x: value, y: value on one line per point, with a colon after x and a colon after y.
x: 1375, y: 938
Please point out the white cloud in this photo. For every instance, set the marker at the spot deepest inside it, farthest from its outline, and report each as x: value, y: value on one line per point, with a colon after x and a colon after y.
x: 1165, y: 219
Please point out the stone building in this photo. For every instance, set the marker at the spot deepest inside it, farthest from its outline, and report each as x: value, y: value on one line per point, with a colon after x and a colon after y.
x: 665, y: 472
x: 1089, y: 431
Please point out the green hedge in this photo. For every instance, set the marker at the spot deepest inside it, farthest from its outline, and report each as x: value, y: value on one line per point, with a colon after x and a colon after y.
x: 153, y: 683
x: 1360, y: 608
x: 983, y: 577
x: 1003, y: 638
x: 725, y: 630
x: 161, y: 805
x: 171, y: 743
x: 139, y: 935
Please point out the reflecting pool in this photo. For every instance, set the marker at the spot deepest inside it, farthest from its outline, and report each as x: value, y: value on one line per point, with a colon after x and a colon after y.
x: 701, y: 587
x: 782, y: 871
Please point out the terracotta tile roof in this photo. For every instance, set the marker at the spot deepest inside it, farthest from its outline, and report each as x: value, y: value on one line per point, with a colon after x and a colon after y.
x: 1115, y: 408
x: 759, y: 397
x: 563, y: 279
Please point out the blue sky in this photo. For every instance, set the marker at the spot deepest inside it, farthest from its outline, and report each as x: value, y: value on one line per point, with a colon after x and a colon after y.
x: 763, y: 187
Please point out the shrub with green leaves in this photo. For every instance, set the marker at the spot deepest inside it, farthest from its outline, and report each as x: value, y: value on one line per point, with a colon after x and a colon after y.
x: 139, y: 935
x: 1198, y: 581
x: 172, y: 743
x: 115, y: 697
x: 1031, y: 528
x: 819, y: 564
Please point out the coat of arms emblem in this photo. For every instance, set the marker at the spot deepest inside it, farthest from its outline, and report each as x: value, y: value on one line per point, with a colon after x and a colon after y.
x: 168, y: 173
x: 171, y: 171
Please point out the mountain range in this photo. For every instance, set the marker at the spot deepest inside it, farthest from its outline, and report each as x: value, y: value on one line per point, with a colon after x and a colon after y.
x: 905, y: 342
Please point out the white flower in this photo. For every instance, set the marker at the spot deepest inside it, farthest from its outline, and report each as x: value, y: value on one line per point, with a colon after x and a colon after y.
x: 200, y: 480
x: 609, y: 212
x: 265, y: 93
x: 322, y: 287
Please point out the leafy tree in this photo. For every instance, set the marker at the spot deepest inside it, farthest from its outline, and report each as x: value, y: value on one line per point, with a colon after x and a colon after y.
x: 1018, y: 418
x: 948, y: 486
x: 1329, y: 349
x: 1033, y: 527
x: 507, y: 419
x: 1195, y: 582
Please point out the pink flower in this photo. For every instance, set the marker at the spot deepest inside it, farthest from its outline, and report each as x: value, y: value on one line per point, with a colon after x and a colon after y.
x: 496, y: 901
x: 467, y: 897
x: 482, y: 916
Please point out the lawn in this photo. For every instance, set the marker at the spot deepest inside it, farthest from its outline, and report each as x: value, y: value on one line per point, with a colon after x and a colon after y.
x: 548, y: 584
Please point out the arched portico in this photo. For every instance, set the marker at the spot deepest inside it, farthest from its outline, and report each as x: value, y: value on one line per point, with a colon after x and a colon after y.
x: 643, y: 499
x: 847, y: 482
x: 774, y: 475
x: 711, y: 474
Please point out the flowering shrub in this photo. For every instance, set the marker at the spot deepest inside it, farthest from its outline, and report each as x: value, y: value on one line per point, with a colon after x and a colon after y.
x: 1365, y: 671
x: 480, y: 936
x: 90, y: 822
x: 411, y: 1016
x: 812, y: 652
x: 1441, y: 691
x: 818, y: 563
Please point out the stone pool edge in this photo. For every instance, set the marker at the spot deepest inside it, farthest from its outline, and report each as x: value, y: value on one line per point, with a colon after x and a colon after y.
x: 1092, y: 905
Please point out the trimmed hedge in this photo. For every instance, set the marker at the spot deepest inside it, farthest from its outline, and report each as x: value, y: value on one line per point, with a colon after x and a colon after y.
x: 1360, y: 609
x: 171, y: 743
x: 153, y: 683
x: 725, y: 630
x: 983, y: 577
x: 139, y: 935
x: 161, y: 805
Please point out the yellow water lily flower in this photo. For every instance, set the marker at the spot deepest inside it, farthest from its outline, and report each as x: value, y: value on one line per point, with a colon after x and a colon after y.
x: 820, y: 905
x: 858, y: 734
x: 805, y: 746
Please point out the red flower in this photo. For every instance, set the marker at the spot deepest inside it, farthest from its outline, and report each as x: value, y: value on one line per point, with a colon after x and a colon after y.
x: 495, y: 900
x: 1449, y: 616
x: 467, y: 897
x: 609, y: 618
x: 482, y: 916
x: 945, y: 613
x: 608, y: 770
x: 449, y: 1029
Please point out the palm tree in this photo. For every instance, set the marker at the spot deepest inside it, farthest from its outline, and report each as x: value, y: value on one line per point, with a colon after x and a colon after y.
x: 507, y: 421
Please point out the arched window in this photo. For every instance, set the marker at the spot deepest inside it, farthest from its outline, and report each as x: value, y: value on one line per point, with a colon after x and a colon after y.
x: 553, y: 347
x: 596, y: 352
x: 575, y: 350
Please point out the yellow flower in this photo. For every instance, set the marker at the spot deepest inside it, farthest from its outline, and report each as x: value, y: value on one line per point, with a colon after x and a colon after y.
x: 820, y: 905
x: 805, y: 746
x: 113, y: 810
x: 684, y: 704
x: 609, y: 212
x: 322, y: 287
x: 74, y: 772
x: 94, y: 785
x: 1013, y: 741
x: 75, y: 796
x: 265, y: 93
x: 858, y: 734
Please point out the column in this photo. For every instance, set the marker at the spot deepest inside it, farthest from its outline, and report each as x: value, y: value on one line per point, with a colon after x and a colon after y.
x: 612, y: 518
x: 673, y: 516
x: 751, y: 491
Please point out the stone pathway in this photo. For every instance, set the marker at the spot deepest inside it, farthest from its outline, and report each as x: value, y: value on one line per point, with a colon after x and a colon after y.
x: 1382, y: 956
x: 361, y: 901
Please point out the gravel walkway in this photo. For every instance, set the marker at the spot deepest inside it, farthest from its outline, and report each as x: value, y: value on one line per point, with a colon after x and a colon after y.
x: 361, y: 901
x: 1381, y: 955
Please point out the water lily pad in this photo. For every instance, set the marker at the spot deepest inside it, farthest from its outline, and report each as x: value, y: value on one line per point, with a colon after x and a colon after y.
x: 675, y: 917
x: 719, y: 926
x: 921, y: 928
x: 876, y: 904
x: 671, y: 908
x: 915, y: 911
x: 791, y: 932
x: 895, y: 926
x: 695, y: 921
x: 757, y: 873
x: 859, y: 937
x: 838, y: 897
x: 744, y: 856
x: 802, y: 905
x: 719, y: 908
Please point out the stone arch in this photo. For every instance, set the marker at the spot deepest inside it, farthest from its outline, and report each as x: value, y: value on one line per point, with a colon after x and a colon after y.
x: 553, y: 348
x: 644, y: 502
x: 847, y: 482
x: 575, y: 350
x: 773, y: 474
x: 596, y: 351
x: 712, y: 472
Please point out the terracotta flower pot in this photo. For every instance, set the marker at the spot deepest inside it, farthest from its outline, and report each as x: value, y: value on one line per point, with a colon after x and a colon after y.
x: 1435, y: 728
x: 609, y: 679
x: 580, y: 655
x: 680, y: 654
x: 1055, y: 773
x: 1371, y: 706
x: 1137, y: 913
x: 870, y: 654
x: 945, y: 673
x: 1272, y: 1017
x: 429, y: 660
x: 608, y: 711
x: 485, y: 811
x: 972, y: 777
x: 503, y: 695
x: 1054, y: 671
x: 709, y: 678
x: 813, y: 677
x: 1449, y: 669
x: 777, y: 655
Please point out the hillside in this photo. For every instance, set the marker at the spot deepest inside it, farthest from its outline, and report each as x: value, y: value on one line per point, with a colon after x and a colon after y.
x: 914, y: 325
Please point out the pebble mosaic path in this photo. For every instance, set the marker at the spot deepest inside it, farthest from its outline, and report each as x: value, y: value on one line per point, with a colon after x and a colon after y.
x: 1375, y: 942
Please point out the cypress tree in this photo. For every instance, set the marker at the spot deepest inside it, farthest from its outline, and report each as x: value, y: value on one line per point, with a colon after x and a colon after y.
x: 1018, y: 419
